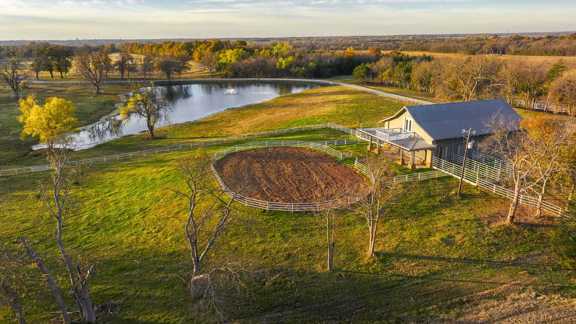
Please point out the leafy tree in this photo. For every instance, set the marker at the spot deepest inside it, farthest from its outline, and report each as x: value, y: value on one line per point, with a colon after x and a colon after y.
x: 281, y: 49
x: 148, y: 104
x: 48, y: 122
x: 563, y: 91
x: 147, y: 66
x: 423, y: 76
x: 62, y: 60
x: 361, y: 72
x: 170, y: 66
x: 556, y: 71
x: 123, y: 64
x: 231, y: 56
x: 284, y: 63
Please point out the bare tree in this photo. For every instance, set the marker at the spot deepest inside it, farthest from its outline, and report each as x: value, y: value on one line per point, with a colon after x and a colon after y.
x: 470, y: 79
x: 518, y: 149
x: 208, y: 214
x: 93, y: 66
x: 55, y: 196
x: 551, y: 141
x: 383, y: 192
x: 50, y: 280
x: 330, y: 229
x: 11, y: 73
x: 563, y: 91
x: 526, y: 81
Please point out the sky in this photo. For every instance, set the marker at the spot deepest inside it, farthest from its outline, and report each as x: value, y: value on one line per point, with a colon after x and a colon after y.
x: 153, y: 19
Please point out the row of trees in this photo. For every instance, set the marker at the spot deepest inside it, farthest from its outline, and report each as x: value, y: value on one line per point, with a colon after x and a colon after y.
x: 475, y: 77
x: 549, y: 45
x: 231, y: 59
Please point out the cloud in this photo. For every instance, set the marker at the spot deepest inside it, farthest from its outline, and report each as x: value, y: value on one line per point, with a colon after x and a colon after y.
x: 63, y: 19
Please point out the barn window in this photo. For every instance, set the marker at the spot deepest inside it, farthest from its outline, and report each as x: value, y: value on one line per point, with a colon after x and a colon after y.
x: 407, y: 125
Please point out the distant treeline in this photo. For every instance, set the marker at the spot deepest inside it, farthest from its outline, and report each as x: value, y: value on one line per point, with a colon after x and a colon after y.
x: 530, y: 85
x: 561, y: 44
x: 548, y: 45
x: 228, y: 58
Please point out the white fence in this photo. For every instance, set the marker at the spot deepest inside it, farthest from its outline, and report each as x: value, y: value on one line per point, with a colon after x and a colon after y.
x: 341, y: 202
x: 475, y: 176
x: 183, y: 147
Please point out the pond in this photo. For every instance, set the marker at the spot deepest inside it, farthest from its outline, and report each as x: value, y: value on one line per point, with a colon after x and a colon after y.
x: 187, y: 102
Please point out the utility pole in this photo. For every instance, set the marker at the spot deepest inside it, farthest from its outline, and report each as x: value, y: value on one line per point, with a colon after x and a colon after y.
x: 468, y: 133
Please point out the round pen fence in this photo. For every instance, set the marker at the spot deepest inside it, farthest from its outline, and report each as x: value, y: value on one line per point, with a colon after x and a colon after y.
x: 287, y: 206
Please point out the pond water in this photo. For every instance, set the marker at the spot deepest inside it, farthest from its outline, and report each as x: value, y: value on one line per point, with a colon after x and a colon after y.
x: 186, y: 102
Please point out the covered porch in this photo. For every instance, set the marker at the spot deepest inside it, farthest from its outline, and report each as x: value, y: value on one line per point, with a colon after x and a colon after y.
x: 406, y: 147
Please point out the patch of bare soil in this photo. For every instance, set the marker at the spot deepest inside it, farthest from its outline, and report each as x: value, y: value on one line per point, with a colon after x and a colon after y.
x: 513, y: 304
x: 288, y: 174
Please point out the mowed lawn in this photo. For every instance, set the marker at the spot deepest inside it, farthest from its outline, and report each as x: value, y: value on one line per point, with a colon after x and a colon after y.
x: 321, y: 105
x: 89, y: 108
x: 437, y: 255
x: 127, y: 220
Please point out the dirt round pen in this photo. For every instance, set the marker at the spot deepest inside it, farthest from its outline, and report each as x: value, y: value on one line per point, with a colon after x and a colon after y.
x: 289, y: 177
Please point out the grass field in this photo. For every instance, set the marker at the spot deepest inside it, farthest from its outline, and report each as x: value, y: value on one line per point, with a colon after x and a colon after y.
x: 546, y: 61
x: 330, y: 104
x: 88, y: 107
x: 439, y: 258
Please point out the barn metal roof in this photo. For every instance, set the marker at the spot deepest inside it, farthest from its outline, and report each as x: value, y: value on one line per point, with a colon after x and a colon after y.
x: 446, y: 121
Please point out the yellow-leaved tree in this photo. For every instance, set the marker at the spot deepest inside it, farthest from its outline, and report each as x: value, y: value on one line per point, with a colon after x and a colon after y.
x: 49, y: 122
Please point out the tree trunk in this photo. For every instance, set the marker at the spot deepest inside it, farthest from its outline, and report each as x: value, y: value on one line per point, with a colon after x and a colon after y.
x: 330, y: 240
x: 372, y: 240
x: 78, y: 279
x: 541, y: 199
x: 513, y: 206
x: 97, y: 86
x: 198, y: 286
x: 151, y: 130
x: 52, y: 284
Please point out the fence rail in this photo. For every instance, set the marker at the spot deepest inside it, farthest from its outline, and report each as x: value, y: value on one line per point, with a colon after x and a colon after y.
x: 475, y: 177
x: 311, y: 206
x: 184, y: 147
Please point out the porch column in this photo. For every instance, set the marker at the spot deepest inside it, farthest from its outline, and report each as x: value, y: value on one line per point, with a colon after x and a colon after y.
x: 413, y: 160
x: 377, y: 146
x: 370, y: 145
x: 401, y: 156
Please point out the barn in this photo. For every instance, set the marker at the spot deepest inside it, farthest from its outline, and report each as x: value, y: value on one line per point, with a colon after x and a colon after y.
x: 419, y: 133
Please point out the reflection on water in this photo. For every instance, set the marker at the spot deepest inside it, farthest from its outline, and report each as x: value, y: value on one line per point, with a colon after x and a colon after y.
x: 186, y: 103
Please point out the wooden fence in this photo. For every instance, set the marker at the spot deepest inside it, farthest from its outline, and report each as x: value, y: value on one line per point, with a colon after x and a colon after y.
x: 484, y: 180
x: 341, y: 202
x: 182, y: 147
